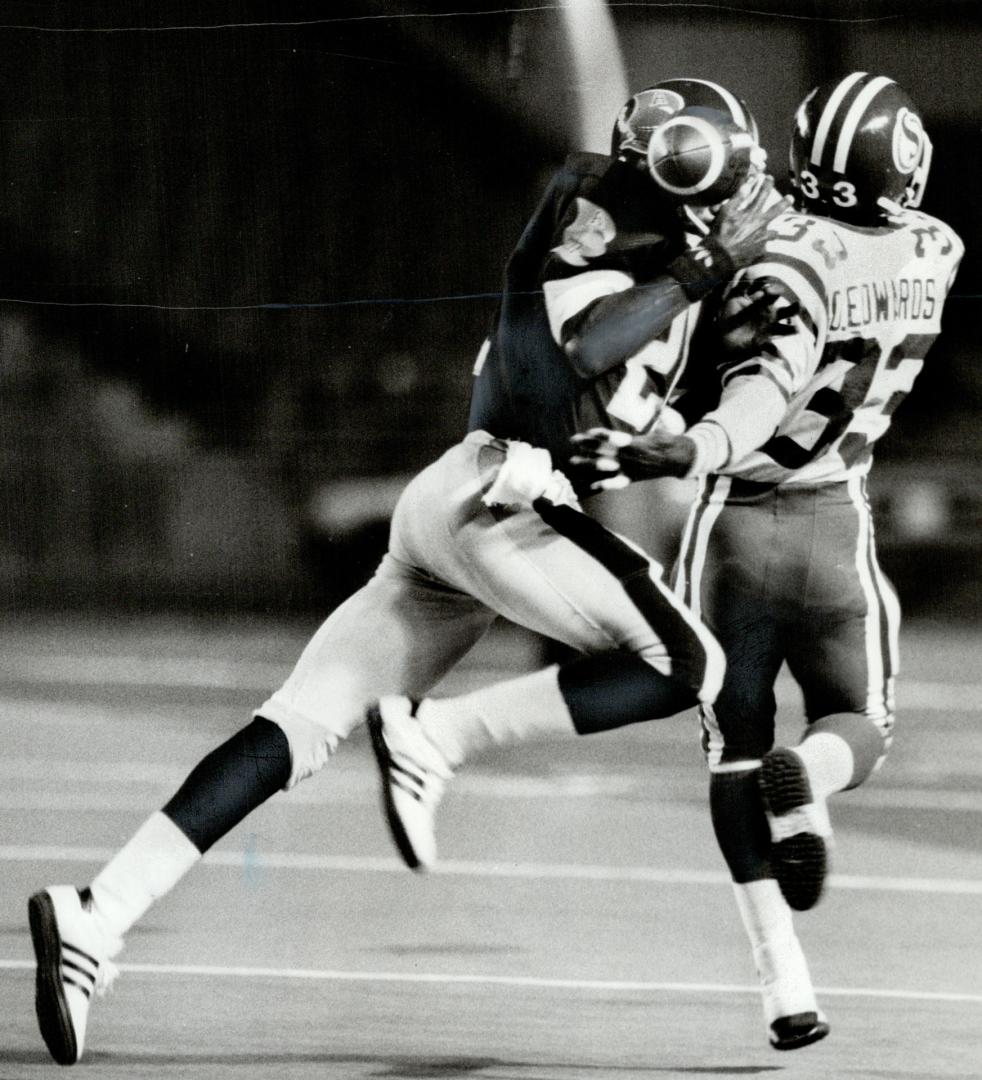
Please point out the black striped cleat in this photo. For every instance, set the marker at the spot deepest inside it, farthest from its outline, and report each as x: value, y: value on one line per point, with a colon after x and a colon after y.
x: 800, y: 833
x: 412, y: 772
x: 72, y: 965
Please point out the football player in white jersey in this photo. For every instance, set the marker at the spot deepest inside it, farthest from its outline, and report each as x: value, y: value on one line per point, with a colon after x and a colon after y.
x: 467, y: 544
x: 778, y: 554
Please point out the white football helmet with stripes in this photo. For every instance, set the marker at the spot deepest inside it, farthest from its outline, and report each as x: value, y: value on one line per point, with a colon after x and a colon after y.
x: 859, y: 151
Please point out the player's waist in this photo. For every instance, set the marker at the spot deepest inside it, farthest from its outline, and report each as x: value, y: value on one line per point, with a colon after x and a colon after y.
x: 736, y: 490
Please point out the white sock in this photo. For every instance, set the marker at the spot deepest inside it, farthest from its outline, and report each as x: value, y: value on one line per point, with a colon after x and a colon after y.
x: 778, y: 957
x: 153, y: 861
x: 531, y: 706
x: 829, y: 761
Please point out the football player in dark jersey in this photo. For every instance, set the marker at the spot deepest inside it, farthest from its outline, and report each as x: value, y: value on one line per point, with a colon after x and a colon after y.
x: 779, y: 554
x: 603, y: 273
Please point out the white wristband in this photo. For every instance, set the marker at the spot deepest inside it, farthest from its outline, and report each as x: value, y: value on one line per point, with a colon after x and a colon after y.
x: 712, y: 447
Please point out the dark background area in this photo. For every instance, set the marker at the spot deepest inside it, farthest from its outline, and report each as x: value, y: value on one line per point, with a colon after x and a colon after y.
x: 251, y: 250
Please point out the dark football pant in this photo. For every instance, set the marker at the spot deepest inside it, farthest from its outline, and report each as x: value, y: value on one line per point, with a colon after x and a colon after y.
x: 786, y: 575
x: 789, y: 575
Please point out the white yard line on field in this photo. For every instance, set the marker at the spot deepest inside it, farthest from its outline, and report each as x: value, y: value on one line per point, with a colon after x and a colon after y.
x: 297, y: 861
x: 529, y: 982
x: 257, y: 676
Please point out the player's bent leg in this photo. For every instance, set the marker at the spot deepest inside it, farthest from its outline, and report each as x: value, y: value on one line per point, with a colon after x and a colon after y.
x: 792, y: 1016
x: 73, y: 964
x: 418, y: 745
x: 843, y: 750
x: 75, y: 934
x: 837, y: 753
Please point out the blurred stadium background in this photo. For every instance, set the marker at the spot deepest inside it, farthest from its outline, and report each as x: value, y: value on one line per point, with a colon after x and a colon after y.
x: 251, y: 248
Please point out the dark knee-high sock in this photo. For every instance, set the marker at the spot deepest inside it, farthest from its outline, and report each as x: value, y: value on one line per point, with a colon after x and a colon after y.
x: 740, y: 824
x: 615, y: 689
x: 230, y: 782
x: 587, y: 695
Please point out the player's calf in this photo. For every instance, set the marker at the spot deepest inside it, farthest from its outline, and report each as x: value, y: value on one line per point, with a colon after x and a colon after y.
x: 791, y: 1011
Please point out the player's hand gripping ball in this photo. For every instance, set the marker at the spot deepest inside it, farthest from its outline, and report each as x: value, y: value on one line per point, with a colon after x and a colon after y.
x: 700, y: 156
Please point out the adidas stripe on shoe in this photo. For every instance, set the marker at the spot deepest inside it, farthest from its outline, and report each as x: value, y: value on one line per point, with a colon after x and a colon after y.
x: 72, y: 965
x: 413, y: 773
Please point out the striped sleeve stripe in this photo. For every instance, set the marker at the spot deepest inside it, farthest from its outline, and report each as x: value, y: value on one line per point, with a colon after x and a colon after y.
x: 772, y: 351
x: 796, y: 280
x: 824, y: 125
x: 761, y: 359
x: 762, y: 371
x: 798, y: 254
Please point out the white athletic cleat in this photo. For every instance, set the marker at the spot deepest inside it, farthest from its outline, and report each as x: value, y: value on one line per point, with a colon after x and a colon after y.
x: 801, y: 835
x: 413, y: 773
x: 72, y: 964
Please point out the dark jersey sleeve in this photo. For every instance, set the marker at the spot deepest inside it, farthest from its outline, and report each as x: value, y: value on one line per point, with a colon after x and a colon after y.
x: 527, y: 387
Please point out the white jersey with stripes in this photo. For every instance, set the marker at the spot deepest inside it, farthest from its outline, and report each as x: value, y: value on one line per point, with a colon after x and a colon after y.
x: 863, y: 308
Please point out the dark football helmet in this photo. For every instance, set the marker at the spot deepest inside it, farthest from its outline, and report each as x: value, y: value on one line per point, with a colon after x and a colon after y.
x: 859, y: 151
x: 651, y: 107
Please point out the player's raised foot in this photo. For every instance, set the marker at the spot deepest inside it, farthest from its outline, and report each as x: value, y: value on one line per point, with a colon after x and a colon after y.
x: 801, y: 1029
x: 72, y: 964
x: 800, y: 832
x: 413, y: 773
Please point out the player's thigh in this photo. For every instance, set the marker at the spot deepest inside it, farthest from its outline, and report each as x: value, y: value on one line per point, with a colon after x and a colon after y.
x: 554, y: 571
x: 563, y: 574
x: 723, y: 573
x: 400, y: 633
x: 846, y: 665
x: 844, y: 653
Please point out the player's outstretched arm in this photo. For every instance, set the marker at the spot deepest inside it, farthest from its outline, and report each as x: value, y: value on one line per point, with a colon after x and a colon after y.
x: 613, y: 328
x: 614, y: 458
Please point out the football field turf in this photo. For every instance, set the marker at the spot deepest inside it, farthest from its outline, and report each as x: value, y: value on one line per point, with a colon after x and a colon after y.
x: 580, y: 924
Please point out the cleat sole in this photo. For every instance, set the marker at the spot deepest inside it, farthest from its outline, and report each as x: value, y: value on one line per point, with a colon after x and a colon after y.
x: 799, y: 862
x: 54, y: 1018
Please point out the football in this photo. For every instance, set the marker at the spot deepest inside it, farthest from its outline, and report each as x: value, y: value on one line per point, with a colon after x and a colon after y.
x: 700, y: 156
